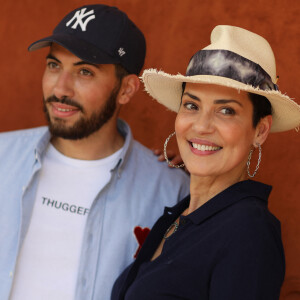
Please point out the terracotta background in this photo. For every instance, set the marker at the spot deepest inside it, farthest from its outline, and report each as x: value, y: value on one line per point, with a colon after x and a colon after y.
x: 174, y: 30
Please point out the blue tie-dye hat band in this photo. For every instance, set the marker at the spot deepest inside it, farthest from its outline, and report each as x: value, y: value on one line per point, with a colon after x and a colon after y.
x: 228, y: 64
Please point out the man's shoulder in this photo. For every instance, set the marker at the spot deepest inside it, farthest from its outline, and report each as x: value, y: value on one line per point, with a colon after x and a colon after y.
x: 146, y: 159
x: 143, y: 155
x: 17, y: 152
x: 23, y: 133
x: 21, y: 138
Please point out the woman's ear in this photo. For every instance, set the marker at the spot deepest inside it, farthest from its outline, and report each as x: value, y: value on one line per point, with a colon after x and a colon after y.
x: 262, y: 130
x: 129, y: 86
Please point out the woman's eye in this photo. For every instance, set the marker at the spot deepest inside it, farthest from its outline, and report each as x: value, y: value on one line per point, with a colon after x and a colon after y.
x: 190, y: 106
x: 86, y: 72
x: 227, y: 111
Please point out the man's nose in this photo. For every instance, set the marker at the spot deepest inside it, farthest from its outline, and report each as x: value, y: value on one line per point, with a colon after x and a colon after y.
x: 64, y: 86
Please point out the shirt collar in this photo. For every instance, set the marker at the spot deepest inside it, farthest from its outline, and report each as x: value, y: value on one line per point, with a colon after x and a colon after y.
x: 42, y: 145
x: 175, y: 211
x: 123, y: 129
x: 229, y: 196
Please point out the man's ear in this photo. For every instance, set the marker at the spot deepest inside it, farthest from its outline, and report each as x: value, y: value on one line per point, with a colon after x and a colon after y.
x: 130, y: 85
x: 262, y: 130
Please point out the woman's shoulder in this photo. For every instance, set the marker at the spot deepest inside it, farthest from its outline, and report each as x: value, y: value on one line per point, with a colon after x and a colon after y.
x: 250, y: 222
x: 246, y: 203
x: 253, y: 211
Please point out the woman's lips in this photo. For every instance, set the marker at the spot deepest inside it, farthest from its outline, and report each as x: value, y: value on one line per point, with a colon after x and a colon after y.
x: 203, y: 147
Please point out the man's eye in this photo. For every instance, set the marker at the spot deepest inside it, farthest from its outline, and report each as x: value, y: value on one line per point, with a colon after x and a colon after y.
x: 52, y: 65
x: 227, y: 111
x: 190, y: 106
x: 86, y: 72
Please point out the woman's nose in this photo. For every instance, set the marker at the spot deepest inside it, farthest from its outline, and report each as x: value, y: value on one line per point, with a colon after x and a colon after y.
x: 204, y: 123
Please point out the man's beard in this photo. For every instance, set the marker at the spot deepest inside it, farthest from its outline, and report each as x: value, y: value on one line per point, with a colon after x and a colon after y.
x: 84, y: 126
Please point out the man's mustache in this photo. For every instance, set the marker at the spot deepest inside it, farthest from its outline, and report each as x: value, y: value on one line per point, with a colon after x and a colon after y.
x: 64, y: 100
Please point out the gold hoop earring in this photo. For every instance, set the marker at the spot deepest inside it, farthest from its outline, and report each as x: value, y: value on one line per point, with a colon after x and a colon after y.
x: 165, y: 152
x: 258, y: 161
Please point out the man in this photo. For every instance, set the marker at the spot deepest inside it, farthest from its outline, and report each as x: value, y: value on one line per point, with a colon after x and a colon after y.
x: 79, y: 197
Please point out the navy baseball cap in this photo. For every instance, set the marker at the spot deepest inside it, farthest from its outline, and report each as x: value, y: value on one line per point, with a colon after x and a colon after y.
x: 99, y: 34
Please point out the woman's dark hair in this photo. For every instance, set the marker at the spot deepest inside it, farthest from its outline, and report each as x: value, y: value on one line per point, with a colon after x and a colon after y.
x: 261, y: 106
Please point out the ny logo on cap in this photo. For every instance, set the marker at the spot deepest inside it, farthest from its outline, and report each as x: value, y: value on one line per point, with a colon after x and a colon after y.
x: 78, y: 16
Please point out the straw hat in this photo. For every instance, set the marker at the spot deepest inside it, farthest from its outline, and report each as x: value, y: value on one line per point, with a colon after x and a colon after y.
x: 236, y: 58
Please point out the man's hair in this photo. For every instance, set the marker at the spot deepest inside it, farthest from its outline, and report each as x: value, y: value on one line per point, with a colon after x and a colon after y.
x: 120, y: 72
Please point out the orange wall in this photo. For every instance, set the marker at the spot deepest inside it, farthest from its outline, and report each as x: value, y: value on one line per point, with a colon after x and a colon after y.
x: 174, y: 30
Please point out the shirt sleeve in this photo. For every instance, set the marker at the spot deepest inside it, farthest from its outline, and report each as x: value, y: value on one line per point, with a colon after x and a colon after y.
x: 250, y: 267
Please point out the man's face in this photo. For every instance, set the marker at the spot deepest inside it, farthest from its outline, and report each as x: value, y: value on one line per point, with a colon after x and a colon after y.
x: 79, y: 98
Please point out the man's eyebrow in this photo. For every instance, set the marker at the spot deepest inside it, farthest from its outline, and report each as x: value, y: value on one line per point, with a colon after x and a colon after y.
x: 79, y: 63
x: 225, y: 101
x: 50, y: 56
x: 86, y: 63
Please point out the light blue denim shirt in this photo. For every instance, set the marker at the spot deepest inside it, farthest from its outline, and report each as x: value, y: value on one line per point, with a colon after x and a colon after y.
x: 139, y: 189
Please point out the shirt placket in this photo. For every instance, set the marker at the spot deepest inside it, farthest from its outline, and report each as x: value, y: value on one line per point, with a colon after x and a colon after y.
x: 90, y: 259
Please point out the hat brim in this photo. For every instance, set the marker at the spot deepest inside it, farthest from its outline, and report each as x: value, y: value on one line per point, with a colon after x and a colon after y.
x: 82, y: 49
x: 167, y: 90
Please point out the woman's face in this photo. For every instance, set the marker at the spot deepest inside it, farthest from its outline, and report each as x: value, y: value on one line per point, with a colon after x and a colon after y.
x: 214, y: 130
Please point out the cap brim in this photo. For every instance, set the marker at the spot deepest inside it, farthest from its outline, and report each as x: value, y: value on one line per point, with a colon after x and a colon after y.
x: 82, y: 49
x: 167, y: 90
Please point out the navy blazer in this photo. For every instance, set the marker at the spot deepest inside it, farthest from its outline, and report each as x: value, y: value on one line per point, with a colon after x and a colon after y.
x: 230, y: 248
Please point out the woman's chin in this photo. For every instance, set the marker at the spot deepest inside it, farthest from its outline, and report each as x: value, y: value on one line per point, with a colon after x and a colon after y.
x: 202, y: 172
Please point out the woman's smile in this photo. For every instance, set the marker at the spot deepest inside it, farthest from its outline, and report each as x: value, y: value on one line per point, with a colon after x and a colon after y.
x: 214, y: 129
x: 203, y: 147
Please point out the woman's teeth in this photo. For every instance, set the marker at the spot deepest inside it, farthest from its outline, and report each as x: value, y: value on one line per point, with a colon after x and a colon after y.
x: 205, y: 147
x: 64, y: 109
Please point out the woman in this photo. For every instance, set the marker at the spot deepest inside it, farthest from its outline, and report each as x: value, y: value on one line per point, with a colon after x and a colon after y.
x: 221, y: 242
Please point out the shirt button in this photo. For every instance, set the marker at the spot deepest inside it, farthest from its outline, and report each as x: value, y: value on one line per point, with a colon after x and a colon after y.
x: 10, y: 274
x: 23, y: 188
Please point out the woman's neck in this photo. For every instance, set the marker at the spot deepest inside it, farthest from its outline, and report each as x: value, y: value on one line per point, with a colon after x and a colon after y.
x: 202, y: 189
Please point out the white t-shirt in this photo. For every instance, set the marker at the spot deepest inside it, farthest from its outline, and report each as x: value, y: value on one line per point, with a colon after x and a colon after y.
x: 49, y: 258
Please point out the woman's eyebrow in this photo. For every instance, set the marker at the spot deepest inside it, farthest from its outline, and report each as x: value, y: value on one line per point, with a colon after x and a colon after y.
x: 191, y: 96
x: 225, y: 101
x: 218, y: 101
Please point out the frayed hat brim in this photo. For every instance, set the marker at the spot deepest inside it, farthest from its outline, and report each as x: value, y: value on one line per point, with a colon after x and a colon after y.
x: 167, y: 90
